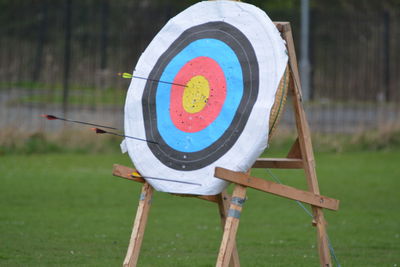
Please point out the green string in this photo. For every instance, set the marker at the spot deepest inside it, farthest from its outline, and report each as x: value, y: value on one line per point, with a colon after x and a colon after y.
x: 310, y: 214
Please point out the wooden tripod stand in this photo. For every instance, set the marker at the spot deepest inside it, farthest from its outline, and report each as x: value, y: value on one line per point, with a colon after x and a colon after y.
x: 299, y: 157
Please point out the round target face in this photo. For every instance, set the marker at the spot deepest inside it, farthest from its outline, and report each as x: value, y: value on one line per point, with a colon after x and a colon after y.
x: 197, y: 121
x: 212, y: 72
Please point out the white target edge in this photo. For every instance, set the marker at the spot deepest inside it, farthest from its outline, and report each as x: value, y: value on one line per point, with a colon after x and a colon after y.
x: 272, y: 59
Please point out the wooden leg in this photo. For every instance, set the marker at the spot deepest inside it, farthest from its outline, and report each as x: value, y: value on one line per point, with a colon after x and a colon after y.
x: 319, y: 220
x: 231, y: 226
x: 312, y: 181
x: 223, y: 205
x: 305, y: 145
x: 323, y: 244
x: 139, y: 226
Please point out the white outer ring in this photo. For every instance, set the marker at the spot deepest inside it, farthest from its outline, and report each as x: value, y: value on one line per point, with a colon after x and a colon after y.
x: 272, y: 59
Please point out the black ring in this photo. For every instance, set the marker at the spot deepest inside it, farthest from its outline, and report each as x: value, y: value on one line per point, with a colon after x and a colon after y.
x: 244, y: 51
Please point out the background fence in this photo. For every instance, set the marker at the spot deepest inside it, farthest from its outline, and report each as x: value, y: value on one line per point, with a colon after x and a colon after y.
x: 61, y: 58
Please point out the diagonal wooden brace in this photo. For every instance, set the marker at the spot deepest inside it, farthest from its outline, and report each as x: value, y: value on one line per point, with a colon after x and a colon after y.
x: 126, y: 172
x: 277, y: 189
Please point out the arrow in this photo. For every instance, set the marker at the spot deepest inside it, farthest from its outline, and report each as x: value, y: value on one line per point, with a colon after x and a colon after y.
x: 130, y: 76
x: 52, y: 117
x: 101, y: 131
x: 137, y: 175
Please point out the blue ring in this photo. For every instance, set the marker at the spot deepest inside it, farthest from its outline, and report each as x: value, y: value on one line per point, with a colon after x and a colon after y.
x: 228, y: 61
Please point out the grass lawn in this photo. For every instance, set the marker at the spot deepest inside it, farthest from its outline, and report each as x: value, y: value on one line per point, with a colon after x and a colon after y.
x: 67, y: 209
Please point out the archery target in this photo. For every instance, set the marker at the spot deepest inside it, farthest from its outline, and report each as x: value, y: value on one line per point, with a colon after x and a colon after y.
x: 213, y: 72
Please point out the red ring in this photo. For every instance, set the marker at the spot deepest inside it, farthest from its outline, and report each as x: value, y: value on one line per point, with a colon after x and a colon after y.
x: 194, y: 122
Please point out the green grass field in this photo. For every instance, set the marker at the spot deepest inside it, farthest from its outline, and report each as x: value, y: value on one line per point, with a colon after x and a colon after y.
x: 67, y: 209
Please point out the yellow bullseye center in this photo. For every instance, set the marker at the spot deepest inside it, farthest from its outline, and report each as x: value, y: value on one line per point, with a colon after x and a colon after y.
x: 196, y: 94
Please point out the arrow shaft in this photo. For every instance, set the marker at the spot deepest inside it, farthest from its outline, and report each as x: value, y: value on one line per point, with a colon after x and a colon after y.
x: 159, y: 81
x: 165, y: 179
x: 136, y: 138
x: 101, y: 131
x: 52, y: 117
x: 88, y: 123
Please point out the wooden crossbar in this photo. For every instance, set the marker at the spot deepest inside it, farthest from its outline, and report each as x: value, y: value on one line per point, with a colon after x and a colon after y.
x: 277, y: 189
x: 126, y: 172
x: 278, y: 163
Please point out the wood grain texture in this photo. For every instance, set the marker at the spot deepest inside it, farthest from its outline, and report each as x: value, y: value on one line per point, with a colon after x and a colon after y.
x: 223, y: 207
x: 231, y: 226
x: 278, y: 163
x: 277, y: 189
x: 295, y: 151
x: 139, y: 226
x: 126, y: 172
x: 305, y: 144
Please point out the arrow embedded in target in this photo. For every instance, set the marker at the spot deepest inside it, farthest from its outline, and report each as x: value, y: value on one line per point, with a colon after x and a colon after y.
x: 101, y: 131
x: 130, y: 76
x: 97, y: 130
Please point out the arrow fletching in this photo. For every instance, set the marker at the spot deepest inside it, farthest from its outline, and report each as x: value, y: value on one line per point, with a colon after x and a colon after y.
x: 49, y: 117
x: 52, y: 117
x: 98, y: 131
x: 125, y: 75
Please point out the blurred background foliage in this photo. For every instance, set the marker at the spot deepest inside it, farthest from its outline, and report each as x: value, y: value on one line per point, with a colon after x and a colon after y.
x: 61, y: 57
